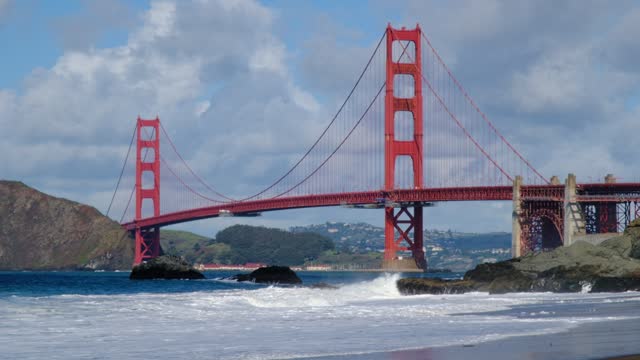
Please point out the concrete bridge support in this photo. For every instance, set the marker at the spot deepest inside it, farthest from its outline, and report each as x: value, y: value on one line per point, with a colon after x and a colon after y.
x: 516, y: 230
x: 573, y: 218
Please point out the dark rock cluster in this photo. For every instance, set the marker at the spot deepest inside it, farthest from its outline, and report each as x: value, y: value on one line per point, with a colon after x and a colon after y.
x: 415, y: 286
x: 165, y: 267
x: 611, y: 266
x: 270, y: 275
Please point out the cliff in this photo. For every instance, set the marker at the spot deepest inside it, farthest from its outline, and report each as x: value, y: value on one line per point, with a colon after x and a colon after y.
x: 42, y: 232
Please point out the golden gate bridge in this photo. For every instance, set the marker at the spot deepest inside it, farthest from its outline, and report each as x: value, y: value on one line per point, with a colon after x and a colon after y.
x: 407, y: 135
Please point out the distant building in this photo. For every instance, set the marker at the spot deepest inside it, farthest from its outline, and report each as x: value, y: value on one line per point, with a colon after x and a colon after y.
x: 318, y: 267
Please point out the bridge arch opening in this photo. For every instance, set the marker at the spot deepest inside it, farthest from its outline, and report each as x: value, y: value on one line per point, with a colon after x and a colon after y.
x: 148, y: 207
x: 148, y: 180
x: 403, y: 126
x: 404, y: 172
x: 403, y: 51
x: 404, y: 86
x: 148, y: 155
x: 545, y: 234
x: 147, y: 133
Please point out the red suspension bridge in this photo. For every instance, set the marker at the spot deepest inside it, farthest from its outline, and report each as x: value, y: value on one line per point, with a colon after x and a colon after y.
x: 407, y: 135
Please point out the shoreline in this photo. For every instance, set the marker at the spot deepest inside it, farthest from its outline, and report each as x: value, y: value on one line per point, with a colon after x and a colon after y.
x: 609, y: 339
x: 335, y: 270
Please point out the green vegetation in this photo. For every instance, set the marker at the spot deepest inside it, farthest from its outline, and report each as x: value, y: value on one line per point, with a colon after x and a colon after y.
x: 194, y: 248
x: 241, y: 244
x: 272, y: 246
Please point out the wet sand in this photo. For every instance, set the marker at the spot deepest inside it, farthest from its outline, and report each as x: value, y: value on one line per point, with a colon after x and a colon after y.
x: 597, y: 340
x: 604, y: 339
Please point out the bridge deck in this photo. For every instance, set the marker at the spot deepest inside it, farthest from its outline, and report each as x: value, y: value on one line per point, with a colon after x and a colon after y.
x: 588, y: 192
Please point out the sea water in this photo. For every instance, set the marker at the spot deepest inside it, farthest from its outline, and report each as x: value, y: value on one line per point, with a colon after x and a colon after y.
x: 82, y: 315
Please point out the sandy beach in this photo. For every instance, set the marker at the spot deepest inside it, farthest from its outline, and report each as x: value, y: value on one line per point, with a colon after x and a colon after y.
x: 607, y: 339
x: 598, y: 340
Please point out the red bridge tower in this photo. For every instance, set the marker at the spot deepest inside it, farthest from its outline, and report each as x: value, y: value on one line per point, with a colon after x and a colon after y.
x: 148, y: 143
x: 403, y: 221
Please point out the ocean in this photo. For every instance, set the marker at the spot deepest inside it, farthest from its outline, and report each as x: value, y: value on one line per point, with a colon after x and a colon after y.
x: 104, y: 315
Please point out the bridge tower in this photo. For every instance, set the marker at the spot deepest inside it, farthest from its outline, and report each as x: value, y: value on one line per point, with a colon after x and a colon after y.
x: 402, y: 221
x: 147, y: 162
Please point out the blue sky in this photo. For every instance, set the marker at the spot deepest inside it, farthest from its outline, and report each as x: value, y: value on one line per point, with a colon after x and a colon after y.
x: 29, y: 30
x: 560, y: 79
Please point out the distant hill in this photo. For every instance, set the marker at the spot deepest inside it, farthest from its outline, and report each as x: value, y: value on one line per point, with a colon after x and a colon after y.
x: 241, y: 244
x: 39, y: 231
x: 445, y: 249
x: 194, y: 248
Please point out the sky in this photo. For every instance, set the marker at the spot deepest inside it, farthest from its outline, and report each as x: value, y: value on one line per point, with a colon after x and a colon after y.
x: 560, y: 79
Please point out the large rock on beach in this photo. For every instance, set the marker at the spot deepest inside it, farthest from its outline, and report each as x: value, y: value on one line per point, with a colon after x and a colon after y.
x: 270, y: 275
x: 612, y: 266
x: 165, y: 267
x: 413, y: 286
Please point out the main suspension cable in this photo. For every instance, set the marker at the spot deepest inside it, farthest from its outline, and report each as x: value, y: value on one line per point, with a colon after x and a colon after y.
x: 133, y: 136
x: 446, y: 108
x: 482, y: 114
x: 192, y: 172
x: 335, y: 117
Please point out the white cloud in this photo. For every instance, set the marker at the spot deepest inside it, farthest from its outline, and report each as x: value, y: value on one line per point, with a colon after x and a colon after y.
x: 83, y: 108
x: 269, y: 58
x: 562, y: 80
x: 159, y: 23
x: 202, y: 107
x: 5, y: 6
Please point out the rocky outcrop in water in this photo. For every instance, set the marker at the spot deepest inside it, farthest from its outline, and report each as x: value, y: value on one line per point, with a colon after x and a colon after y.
x: 415, y: 286
x: 270, y: 275
x: 42, y: 232
x: 611, y: 266
x: 165, y: 267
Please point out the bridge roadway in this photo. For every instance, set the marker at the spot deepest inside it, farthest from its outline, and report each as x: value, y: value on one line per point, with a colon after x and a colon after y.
x: 613, y: 192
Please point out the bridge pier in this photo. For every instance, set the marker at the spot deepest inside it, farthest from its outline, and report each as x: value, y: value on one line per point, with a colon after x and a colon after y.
x: 147, y: 244
x: 573, y: 218
x: 403, y: 222
x: 516, y: 230
x: 537, y: 221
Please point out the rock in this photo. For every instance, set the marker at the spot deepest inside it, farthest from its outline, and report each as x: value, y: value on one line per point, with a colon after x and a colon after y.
x: 635, y: 250
x: 499, y: 278
x: 435, y: 286
x: 633, y: 231
x: 611, y: 266
x: 627, y: 245
x: 165, y: 267
x: 615, y: 284
x: 561, y: 279
x: 270, y: 275
x: 512, y: 282
x: 487, y: 272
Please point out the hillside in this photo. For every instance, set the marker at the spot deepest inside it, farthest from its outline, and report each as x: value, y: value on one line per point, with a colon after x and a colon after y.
x: 194, y: 248
x: 241, y: 244
x: 39, y: 231
x: 445, y: 249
